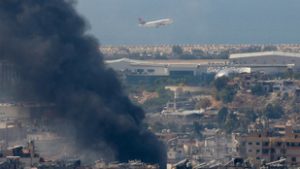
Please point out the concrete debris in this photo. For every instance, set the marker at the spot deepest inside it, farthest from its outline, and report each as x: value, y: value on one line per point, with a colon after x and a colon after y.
x: 132, y: 164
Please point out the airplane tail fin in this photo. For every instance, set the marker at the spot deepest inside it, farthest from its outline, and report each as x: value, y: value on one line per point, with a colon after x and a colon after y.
x: 141, y: 21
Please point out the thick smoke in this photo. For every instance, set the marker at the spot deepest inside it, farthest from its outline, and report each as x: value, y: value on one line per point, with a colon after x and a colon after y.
x: 46, y: 40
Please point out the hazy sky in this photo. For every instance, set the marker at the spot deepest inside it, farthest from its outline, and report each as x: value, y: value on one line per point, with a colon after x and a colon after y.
x: 195, y: 21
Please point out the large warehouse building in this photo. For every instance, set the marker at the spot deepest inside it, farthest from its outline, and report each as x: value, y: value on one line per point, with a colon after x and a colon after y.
x: 162, y: 67
x: 268, y: 61
x: 265, y: 62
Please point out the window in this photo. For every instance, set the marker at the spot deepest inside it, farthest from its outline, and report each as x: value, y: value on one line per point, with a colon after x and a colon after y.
x: 266, y: 143
x: 257, y: 143
x: 257, y: 151
x: 257, y: 158
x: 294, y: 159
x: 140, y: 70
x: 249, y: 143
x: 265, y: 151
x: 151, y: 70
x: 272, y: 150
x: 278, y: 144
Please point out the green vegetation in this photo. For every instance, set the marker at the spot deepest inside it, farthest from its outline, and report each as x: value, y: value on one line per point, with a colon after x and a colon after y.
x: 177, y: 50
x: 203, y: 103
x: 197, y: 127
x: 221, y: 82
x: 227, y: 120
x: 137, y: 84
x: 285, y: 96
x: 273, y: 111
x: 187, y: 57
x: 222, y: 114
x: 156, y: 104
x: 198, y: 54
x: 258, y: 90
x: 225, y: 92
x: 231, y: 122
x: 250, y: 115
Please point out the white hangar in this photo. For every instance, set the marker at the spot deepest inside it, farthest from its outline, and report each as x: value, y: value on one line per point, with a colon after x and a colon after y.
x: 271, y: 61
x: 161, y: 67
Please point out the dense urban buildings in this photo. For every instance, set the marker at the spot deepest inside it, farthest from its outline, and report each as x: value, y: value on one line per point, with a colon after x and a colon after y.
x: 200, y: 119
x: 66, y: 102
x: 210, y: 121
x: 270, y: 143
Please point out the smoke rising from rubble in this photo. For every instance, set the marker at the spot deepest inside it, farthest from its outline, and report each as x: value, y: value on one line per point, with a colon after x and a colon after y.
x: 46, y: 40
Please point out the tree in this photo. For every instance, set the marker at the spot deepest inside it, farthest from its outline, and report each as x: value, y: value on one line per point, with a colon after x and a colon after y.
x: 204, y: 103
x: 250, y: 115
x: 155, y: 104
x: 177, y: 50
x: 258, y: 90
x: 224, y: 55
x: 187, y: 56
x: 274, y: 111
x: 222, y: 114
x: 197, y: 128
x: 221, y: 82
x: 231, y: 122
x: 285, y: 96
x: 269, y: 48
x: 198, y: 52
x: 227, y: 94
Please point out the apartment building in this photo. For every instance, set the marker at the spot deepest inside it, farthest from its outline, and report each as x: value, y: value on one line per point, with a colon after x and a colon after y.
x: 270, y: 144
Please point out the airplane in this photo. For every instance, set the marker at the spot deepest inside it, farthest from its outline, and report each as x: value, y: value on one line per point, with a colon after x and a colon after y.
x: 155, y: 23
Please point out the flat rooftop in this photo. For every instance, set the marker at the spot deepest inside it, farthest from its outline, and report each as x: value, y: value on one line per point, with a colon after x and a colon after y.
x: 259, y: 54
x: 166, y: 62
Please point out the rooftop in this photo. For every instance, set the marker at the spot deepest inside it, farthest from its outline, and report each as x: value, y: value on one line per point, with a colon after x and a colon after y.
x: 167, y: 62
x: 259, y: 54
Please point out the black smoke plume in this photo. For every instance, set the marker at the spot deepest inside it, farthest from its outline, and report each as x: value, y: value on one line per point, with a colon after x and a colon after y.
x: 47, y: 41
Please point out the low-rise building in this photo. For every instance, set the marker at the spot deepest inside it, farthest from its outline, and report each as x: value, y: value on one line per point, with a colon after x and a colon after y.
x: 270, y: 144
x: 161, y: 67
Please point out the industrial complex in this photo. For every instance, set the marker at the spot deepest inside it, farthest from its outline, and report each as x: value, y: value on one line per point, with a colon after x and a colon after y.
x: 266, y: 62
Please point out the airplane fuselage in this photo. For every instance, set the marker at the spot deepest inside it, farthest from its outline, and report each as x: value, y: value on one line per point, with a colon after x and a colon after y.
x: 156, y: 23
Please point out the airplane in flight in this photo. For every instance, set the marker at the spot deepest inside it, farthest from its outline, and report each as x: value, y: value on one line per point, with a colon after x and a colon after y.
x: 155, y: 23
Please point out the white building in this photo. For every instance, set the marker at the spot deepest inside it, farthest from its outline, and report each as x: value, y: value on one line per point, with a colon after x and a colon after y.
x: 267, y: 62
x: 138, y: 67
x: 161, y: 67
